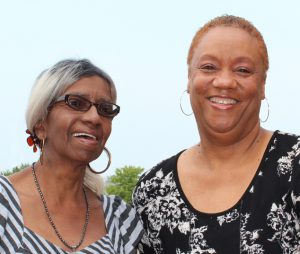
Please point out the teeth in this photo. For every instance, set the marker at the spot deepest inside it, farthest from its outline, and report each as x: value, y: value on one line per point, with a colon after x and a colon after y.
x: 84, y: 135
x: 225, y: 101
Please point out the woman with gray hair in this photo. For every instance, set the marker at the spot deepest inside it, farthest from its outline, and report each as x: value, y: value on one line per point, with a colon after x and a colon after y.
x: 57, y: 205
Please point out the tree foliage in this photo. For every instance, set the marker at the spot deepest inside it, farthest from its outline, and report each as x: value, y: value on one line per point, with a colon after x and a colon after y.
x: 123, y: 182
x: 14, y: 169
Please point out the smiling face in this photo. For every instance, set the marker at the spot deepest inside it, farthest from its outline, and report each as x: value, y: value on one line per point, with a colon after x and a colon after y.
x: 75, y: 135
x: 226, y: 81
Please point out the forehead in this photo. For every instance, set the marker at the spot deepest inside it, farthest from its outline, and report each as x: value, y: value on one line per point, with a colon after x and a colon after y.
x: 228, y: 40
x: 92, y: 87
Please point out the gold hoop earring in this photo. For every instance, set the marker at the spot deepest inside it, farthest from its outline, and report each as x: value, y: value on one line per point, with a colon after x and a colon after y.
x: 268, y: 112
x: 108, y: 163
x: 181, y: 108
x: 42, y: 144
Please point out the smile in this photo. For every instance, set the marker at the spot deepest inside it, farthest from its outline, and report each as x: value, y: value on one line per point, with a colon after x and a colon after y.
x: 85, y: 135
x: 224, y: 101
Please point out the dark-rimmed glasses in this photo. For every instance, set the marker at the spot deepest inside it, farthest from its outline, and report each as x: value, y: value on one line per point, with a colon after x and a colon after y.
x: 79, y: 103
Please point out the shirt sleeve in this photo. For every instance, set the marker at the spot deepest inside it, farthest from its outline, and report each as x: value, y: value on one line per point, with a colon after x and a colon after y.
x: 128, y: 223
x: 295, y: 190
x: 3, y: 212
x: 138, y: 202
x: 10, y: 223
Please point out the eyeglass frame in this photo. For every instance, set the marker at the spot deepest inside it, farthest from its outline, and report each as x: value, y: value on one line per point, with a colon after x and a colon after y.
x: 64, y: 98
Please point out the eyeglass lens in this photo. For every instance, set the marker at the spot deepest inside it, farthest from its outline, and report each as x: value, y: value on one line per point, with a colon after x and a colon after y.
x: 82, y: 104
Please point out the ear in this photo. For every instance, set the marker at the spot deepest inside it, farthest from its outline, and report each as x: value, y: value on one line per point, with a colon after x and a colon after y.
x: 40, y: 130
x: 190, y: 79
x: 188, y: 88
x: 262, y: 91
x: 263, y: 86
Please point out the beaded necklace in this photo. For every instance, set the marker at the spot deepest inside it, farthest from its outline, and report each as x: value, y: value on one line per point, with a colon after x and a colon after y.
x: 87, y: 215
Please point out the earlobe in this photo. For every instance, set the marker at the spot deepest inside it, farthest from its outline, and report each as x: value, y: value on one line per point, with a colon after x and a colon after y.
x: 188, y: 87
x: 40, y: 130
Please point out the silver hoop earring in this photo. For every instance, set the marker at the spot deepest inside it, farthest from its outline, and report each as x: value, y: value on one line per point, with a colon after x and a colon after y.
x: 181, y: 108
x: 108, y: 163
x: 268, y: 112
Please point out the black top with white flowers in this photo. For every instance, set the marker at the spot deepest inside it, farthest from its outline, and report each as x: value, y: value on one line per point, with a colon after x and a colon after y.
x: 265, y: 220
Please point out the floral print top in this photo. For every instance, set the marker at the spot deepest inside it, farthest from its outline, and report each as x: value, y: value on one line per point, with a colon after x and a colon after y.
x: 264, y: 220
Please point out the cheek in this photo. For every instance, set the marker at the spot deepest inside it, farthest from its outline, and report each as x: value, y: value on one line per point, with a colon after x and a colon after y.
x: 253, y: 90
x: 59, y: 124
x: 107, y: 128
x: 198, y: 85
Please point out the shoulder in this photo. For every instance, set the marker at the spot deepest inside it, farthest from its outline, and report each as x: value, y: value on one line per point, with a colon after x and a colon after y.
x: 8, y: 194
x: 122, y: 223
x: 286, y: 141
x: 284, y: 154
x: 158, y: 181
x: 115, y: 206
x: 162, y: 169
x: 285, y: 150
x: 11, y: 223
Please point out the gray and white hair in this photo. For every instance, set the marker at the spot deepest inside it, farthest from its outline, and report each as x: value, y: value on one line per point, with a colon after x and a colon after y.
x: 51, y: 84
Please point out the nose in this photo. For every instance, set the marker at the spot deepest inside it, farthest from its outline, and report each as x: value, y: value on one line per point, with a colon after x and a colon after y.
x: 224, y: 80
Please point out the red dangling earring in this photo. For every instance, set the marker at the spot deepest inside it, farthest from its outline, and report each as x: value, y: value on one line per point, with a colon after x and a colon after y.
x: 31, y: 140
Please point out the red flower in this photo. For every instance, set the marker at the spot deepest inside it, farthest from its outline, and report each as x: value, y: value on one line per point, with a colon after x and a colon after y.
x: 31, y: 140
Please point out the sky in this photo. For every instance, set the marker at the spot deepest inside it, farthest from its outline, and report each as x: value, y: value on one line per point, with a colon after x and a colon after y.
x: 143, y: 46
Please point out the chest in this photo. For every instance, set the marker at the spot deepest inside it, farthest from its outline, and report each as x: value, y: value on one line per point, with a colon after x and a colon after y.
x: 263, y: 220
x: 214, y: 191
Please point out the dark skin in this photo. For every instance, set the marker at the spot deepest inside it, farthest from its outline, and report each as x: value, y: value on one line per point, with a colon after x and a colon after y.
x: 225, y: 172
x: 61, y: 173
x: 226, y: 86
x: 67, y: 210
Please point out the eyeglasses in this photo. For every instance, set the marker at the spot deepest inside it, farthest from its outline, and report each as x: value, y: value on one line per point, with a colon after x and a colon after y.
x: 80, y: 103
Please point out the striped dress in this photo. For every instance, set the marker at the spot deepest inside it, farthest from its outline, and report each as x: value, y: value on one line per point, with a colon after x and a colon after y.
x: 123, y: 226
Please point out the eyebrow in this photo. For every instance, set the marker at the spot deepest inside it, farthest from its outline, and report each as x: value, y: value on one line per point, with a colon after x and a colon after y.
x: 207, y: 57
x: 213, y: 58
x: 244, y: 58
x: 86, y: 96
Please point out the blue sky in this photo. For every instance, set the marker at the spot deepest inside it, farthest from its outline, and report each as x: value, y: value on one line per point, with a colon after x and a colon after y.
x: 143, y: 46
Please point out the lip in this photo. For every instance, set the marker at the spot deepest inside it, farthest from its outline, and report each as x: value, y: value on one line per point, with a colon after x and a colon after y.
x: 79, y: 135
x: 222, y: 102
x: 88, y: 142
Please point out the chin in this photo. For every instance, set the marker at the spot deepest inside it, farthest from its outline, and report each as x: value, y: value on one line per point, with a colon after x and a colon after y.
x: 85, y: 158
x: 222, y: 127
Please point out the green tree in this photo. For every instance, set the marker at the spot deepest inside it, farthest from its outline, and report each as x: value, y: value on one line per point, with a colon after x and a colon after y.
x: 123, y: 182
x: 16, y: 169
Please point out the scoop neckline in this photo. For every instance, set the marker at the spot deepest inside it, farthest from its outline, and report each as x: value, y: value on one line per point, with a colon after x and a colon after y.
x: 65, y: 251
x: 239, y: 202
x: 106, y: 236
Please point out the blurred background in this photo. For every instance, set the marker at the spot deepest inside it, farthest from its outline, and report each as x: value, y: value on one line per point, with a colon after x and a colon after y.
x: 143, y: 46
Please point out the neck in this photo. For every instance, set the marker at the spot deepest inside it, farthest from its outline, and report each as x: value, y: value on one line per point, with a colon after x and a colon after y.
x: 72, y: 247
x: 233, y: 148
x: 60, y: 182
